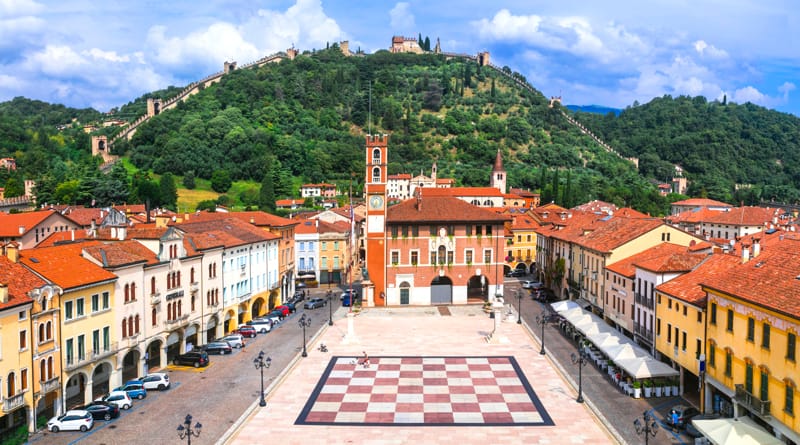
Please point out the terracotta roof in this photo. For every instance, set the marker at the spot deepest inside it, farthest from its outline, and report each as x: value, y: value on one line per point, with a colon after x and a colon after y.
x: 288, y: 202
x: 700, y: 202
x: 686, y: 287
x: 461, y: 191
x: 441, y: 209
x: 204, y: 241
x: 745, y: 216
x: 498, y: 161
x: 19, y: 280
x: 628, y: 212
x: 443, y: 181
x: 83, y: 216
x: 235, y: 231
x: 321, y: 185
x: 769, y: 280
x: 400, y: 176
x: 131, y: 208
x: 664, y: 257
x: 524, y: 222
x: 596, y: 206
x: 263, y: 219
x: 696, y: 215
x: 65, y: 265
x: 10, y: 223
x: 121, y: 253
x: 607, y: 233
x: 523, y: 193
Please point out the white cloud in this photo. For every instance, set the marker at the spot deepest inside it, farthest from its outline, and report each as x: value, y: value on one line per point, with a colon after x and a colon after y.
x: 785, y: 89
x: 749, y: 94
x: 106, y: 56
x: 10, y: 82
x: 56, y: 60
x: 212, y: 46
x: 704, y: 49
x: 401, y: 17
x: 17, y: 8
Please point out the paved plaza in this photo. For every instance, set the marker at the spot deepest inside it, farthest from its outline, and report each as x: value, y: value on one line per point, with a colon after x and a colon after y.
x: 433, y: 378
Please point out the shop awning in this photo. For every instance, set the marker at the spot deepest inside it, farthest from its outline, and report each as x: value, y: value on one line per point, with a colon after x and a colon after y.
x: 645, y: 368
x: 735, y: 432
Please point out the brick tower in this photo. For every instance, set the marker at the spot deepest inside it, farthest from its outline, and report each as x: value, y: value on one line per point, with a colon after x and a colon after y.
x: 375, y: 191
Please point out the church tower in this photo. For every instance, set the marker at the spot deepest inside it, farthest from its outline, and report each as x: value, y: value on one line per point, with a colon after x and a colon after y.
x: 433, y: 173
x: 498, y: 173
x: 375, y: 191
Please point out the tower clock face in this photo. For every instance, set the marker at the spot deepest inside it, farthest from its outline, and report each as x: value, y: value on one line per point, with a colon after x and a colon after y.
x: 376, y: 202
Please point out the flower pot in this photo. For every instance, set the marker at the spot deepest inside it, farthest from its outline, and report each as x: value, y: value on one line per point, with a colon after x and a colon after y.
x: 667, y: 391
x: 675, y: 390
x: 637, y: 393
x: 648, y: 391
x: 658, y: 391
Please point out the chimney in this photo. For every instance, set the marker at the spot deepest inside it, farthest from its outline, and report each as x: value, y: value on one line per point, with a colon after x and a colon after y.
x: 113, y: 232
x: 21, y: 230
x: 745, y: 253
x: 252, y: 220
x: 12, y: 252
x: 756, y: 247
x: 3, y: 293
x: 122, y: 232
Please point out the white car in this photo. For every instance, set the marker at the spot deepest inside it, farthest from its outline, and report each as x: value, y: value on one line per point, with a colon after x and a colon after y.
x: 156, y: 380
x: 235, y: 340
x: 262, y: 325
x: 119, y: 398
x: 532, y: 284
x: 72, y: 420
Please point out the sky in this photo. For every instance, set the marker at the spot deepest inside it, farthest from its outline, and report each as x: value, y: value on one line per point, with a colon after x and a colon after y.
x: 613, y: 53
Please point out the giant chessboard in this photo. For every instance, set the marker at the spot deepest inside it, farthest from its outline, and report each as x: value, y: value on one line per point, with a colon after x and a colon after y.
x: 424, y: 391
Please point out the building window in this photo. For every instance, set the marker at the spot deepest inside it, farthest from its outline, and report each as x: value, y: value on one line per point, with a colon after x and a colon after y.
x: 764, y: 393
x: 395, y: 257
x: 414, y: 257
x: 751, y: 329
x: 23, y: 380
x: 728, y: 363
x: 23, y: 339
x: 441, y: 256
x: 468, y: 256
x: 469, y: 229
x: 487, y: 256
x: 669, y: 333
x: 748, y: 377
x: 712, y: 355
x: 730, y: 320
x: 683, y: 341
x: 699, y: 316
x: 95, y: 303
x: 713, y: 314
x: 415, y: 231
x: 153, y: 285
x: 765, y: 329
x: 791, y: 346
x: 789, y: 405
x: 68, y: 315
x: 697, y: 347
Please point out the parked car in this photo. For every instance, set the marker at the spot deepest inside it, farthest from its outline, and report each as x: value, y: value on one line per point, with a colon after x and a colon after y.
x: 532, y: 284
x: 299, y: 295
x: 193, y: 358
x: 135, y: 390
x: 102, y: 410
x: 292, y: 307
x: 349, y: 298
x: 274, y: 317
x: 156, y: 380
x: 283, y: 309
x: 315, y: 303
x: 685, y: 414
x: 72, y: 420
x: 217, y: 347
x: 262, y: 325
x: 347, y: 294
x: 247, y: 330
x: 516, y: 273
x: 235, y: 340
x: 119, y: 398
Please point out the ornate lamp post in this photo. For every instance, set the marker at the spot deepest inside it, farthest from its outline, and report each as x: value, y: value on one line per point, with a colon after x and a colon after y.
x: 329, y: 294
x: 304, y: 322
x: 519, y: 311
x: 262, y: 363
x: 580, y: 359
x: 185, y: 430
x: 646, y: 425
x: 542, y: 320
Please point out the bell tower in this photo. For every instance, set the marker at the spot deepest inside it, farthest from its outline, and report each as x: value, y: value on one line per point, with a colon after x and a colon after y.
x: 375, y: 190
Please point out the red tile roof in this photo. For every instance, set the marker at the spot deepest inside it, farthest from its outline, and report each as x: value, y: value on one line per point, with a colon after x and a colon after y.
x: 745, y: 216
x: 664, y: 257
x: 400, y: 176
x: 83, y: 216
x: 524, y: 193
x: 605, y: 234
x: 686, y: 287
x: 461, y: 191
x: 435, y: 209
x: 596, y: 206
x: 10, y: 223
x: 700, y: 202
x: 19, y: 281
x: 65, y: 265
x: 770, y: 280
x: 232, y: 231
x: 263, y: 219
x: 121, y: 253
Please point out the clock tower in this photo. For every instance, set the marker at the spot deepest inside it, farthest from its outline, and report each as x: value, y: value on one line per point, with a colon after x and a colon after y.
x: 375, y: 191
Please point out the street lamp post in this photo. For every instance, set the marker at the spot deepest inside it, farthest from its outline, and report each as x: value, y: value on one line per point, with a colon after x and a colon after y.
x: 262, y: 363
x: 519, y: 311
x: 330, y: 307
x: 304, y: 322
x: 186, y: 430
x: 580, y: 359
x: 542, y: 320
x: 646, y: 425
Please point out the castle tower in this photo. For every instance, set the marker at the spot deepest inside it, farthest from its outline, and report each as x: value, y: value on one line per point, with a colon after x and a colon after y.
x: 153, y: 106
x: 292, y: 53
x: 438, y: 48
x: 375, y: 191
x: 228, y: 67
x: 483, y: 58
x: 498, y: 173
x: 344, y: 46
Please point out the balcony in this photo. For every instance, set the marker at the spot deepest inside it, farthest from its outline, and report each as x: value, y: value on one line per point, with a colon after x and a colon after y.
x: 13, y: 402
x: 49, y: 385
x: 642, y: 331
x: 104, y: 351
x: 180, y: 321
x: 194, y: 287
x: 753, y: 403
x: 644, y: 300
x: 155, y: 298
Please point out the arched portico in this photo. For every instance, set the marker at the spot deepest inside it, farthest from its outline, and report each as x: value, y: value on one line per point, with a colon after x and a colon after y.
x: 243, y: 314
x: 257, y: 307
x: 153, y: 354
x: 75, y: 390
x: 130, y: 365
x: 174, y: 341
x: 477, y: 288
x: 212, y: 327
x: 230, y: 321
x: 101, y: 380
x: 191, y: 335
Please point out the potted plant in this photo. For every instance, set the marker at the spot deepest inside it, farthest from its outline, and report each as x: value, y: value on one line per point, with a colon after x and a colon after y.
x: 648, y: 388
x: 659, y: 388
x: 675, y: 386
x: 667, y: 388
x: 637, y: 389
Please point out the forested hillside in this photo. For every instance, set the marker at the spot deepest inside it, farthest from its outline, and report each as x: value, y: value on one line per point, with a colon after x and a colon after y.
x: 304, y: 120
x: 718, y: 144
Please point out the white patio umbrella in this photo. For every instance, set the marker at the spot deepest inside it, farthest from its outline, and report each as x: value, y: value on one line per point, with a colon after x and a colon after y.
x: 564, y: 305
x: 604, y: 340
x: 623, y: 351
x: 734, y: 432
x: 645, y: 368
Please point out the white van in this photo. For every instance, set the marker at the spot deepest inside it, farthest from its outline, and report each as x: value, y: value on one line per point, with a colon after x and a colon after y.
x: 262, y: 325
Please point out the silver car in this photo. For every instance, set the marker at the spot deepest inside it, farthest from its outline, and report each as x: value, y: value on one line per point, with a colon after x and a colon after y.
x: 235, y: 340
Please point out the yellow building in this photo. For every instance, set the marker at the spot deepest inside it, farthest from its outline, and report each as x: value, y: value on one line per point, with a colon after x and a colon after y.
x: 752, y: 329
x: 334, y: 247
x: 521, y: 246
x: 16, y: 388
x: 680, y: 332
x: 89, y: 339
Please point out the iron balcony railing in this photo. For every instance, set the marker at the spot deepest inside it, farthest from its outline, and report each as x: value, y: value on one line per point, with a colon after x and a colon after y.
x: 752, y: 402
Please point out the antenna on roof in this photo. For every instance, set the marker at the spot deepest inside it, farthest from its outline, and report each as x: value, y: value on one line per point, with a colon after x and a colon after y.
x: 369, y: 114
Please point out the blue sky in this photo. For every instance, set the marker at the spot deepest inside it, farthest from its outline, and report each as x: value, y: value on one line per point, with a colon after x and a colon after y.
x: 104, y: 54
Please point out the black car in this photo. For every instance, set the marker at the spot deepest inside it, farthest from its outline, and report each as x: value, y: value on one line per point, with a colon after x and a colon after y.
x: 292, y: 307
x: 218, y: 347
x: 544, y: 295
x: 193, y: 358
x: 516, y: 273
x: 102, y: 410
